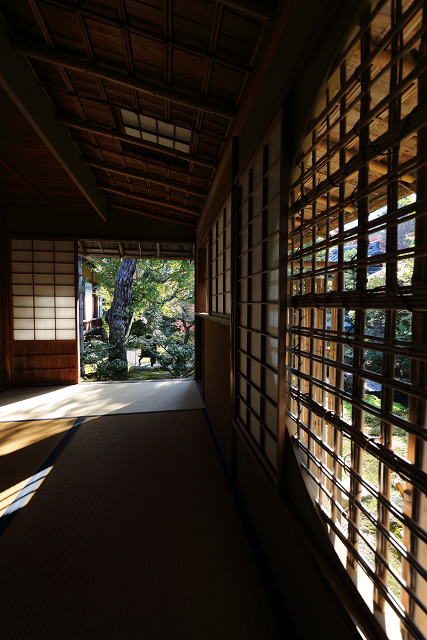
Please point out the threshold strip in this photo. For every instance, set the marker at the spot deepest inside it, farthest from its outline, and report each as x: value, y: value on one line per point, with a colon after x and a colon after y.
x: 34, y: 482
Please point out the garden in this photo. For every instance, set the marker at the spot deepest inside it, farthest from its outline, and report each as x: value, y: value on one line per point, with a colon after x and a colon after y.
x: 148, y: 320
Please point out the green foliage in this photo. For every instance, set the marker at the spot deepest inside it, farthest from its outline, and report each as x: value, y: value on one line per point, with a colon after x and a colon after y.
x: 161, y: 289
x: 151, y: 321
x: 101, y: 357
x: 372, y: 423
x: 174, y: 356
x: 158, y: 282
x: 350, y: 274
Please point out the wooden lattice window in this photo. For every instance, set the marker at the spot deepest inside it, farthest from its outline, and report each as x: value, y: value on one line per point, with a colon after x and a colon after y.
x: 357, y: 303
x: 257, y: 302
x: 221, y: 262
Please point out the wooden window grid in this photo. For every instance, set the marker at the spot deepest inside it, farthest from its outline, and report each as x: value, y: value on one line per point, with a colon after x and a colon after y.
x: 257, y: 293
x: 357, y: 308
x: 43, y: 289
x: 203, y: 278
x: 220, y: 263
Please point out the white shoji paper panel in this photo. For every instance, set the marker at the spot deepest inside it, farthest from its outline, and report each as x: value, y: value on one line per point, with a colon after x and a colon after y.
x: 257, y: 301
x: 43, y: 288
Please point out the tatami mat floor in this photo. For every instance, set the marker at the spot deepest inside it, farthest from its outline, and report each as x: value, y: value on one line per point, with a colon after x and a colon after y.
x: 132, y: 534
x: 98, y: 398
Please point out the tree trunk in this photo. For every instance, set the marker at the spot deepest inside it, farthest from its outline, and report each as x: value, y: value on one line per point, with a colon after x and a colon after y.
x: 119, y: 315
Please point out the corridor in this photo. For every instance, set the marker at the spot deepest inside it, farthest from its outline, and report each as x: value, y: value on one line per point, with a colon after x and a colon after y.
x: 122, y: 524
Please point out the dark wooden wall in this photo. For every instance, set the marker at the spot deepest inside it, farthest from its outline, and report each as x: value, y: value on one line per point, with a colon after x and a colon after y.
x: 216, y: 380
x: 44, y: 362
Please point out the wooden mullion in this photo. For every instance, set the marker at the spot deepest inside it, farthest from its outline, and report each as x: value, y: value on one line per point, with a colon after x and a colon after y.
x: 311, y: 314
x: 338, y: 284
x: 328, y: 431
x: 387, y: 394
x: 357, y: 416
x: 234, y: 294
x: 290, y: 338
x: 415, y: 501
x: 263, y: 301
x: 301, y: 319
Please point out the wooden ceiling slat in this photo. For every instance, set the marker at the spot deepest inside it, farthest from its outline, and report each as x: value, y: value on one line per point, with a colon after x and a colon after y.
x: 259, y: 9
x: 147, y: 51
x: 189, y: 66
x: 29, y: 157
x: 59, y: 22
x: 122, y: 78
x: 103, y: 34
x: 20, y: 133
x: 156, y: 216
x: 21, y: 198
x: 226, y: 79
x: 152, y: 11
x: 240, y: 27
x: 146, y: 177
x: 146, y: 198
x: 42, y: 174
x: 109, y: 133
x: 156, y: 36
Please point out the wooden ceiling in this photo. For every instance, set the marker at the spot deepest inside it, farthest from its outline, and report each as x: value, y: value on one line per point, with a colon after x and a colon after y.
x: 162, y: 250
x: 184, y: 62
x: 29, y: 173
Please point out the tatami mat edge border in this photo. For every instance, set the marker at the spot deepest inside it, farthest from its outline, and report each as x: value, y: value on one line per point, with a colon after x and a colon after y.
x: 104, y: 415
x: 12, y: 512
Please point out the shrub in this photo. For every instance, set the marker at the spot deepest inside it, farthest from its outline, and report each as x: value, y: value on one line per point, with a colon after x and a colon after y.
x: 175, y: 357
x: 103, y: 357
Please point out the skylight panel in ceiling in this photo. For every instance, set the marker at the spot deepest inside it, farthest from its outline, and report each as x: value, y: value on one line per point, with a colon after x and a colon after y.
x: 152, y: 130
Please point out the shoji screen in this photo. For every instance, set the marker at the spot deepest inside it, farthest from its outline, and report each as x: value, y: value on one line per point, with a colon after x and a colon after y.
x: 221, y: 263
x: 257, y: 302
x: 44, y: 310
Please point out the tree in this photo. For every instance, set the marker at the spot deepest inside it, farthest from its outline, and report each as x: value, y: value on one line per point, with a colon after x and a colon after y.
x: 119, y: 315
x: 185, y: 323
x: 139, y: 296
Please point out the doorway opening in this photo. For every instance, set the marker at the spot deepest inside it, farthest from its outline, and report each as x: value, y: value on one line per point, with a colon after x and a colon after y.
x: 136, y: 312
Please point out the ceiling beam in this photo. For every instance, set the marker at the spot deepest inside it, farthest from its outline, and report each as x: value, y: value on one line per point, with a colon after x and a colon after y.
x: 253, y: 8
x: 152, y: 201
x: 132, y: 173
x: 153, y: 215
x: 152, y: 35
x: 118, y: 135
x: 131, y: 82
x: 20, y: 84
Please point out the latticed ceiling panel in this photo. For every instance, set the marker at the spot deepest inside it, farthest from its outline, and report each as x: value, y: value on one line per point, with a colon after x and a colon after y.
x: 184, y: 63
